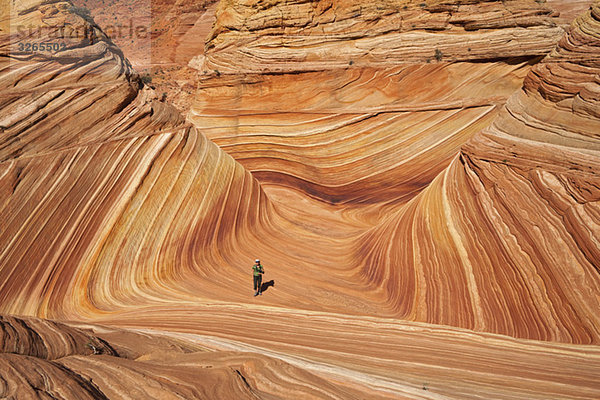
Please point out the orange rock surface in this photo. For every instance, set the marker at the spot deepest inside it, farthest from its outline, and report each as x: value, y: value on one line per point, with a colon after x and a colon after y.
x: 155, y: 32
x: 43, y: 359
x: 428, y: 225
x: 283, y: 35
x: 159, y: 38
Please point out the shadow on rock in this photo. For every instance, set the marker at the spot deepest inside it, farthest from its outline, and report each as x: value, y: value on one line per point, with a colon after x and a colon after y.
x: 267, y: 285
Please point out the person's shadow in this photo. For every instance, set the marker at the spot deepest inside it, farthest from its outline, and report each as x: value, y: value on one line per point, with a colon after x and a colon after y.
x: 267, y: 285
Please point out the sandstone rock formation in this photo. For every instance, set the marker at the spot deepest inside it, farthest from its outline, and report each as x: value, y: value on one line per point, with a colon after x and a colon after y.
x: 370, y: 136
x: 286, y: 36
x: 41, y: 359
x: 156, y: 32
x: 518, y: 208
x: 87, y: 159
x: 159, y: 38
x: 384, y: 100
x: 404, y: 263
x: 568, y: 10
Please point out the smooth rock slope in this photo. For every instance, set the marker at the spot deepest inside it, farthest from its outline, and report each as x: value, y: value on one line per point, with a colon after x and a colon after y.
x: 421, y: 240
x: 514, y: 219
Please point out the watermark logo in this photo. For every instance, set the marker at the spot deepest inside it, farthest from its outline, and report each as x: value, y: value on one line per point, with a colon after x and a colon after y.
x: 54, y: 29
x: 81, y: 31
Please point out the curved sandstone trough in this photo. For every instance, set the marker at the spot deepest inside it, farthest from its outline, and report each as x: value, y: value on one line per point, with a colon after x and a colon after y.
x: 422, y: 241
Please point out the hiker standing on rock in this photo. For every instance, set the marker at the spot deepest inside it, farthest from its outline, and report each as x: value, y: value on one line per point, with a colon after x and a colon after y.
x: 257, y: 271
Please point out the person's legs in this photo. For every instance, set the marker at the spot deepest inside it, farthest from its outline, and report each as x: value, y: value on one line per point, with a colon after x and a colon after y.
x: 256, y: 284
x: 259, y: 284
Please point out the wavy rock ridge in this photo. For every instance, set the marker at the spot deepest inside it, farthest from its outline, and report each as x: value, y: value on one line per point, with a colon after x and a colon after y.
x: 514, y: 218
x: 42, y: 359
x: 90, y: 361
x: 89, y: 163
x: 373, y: 128
x: 159, y: 38
x: 285, y: 36
x: 119, y: 212
x: 370, y: 137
